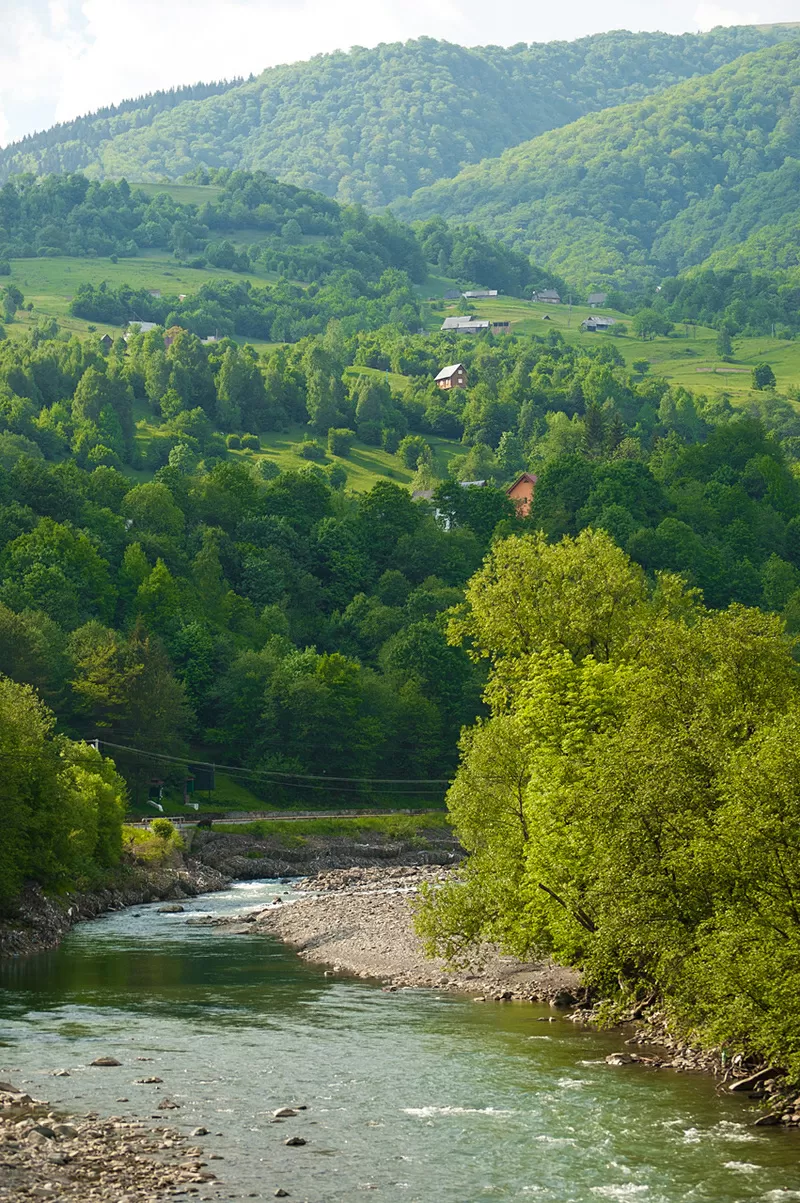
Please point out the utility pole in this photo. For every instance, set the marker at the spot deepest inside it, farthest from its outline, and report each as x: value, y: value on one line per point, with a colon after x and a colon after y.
x: 569, y: 313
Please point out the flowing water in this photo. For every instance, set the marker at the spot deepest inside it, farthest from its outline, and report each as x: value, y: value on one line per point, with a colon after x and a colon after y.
x: 413, y: 1097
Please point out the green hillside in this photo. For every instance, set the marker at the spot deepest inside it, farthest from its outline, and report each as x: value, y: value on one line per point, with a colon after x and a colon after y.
x: 371, y: 125
x: 647, y: 189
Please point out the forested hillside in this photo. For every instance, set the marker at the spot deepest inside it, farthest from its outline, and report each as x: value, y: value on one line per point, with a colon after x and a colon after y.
x: 371, y: 125
x: 624, y: 197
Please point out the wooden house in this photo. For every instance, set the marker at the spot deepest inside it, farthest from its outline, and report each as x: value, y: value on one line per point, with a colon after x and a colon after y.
x: 521, y: 493
x: 453, y: 376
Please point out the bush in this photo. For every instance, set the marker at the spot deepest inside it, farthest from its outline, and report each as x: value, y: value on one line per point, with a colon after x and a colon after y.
x: 163, y: 829
x: 337, y: 476
x: 310, y: 449
x: 5, y: 267
x: 390, y: 440
x: 251, y: 442
x: 370, y: 432
x: 412, y: 447
x: 340, y: 440
x: 763, y: 376
x: 233, y: 442
x: 268, y: 470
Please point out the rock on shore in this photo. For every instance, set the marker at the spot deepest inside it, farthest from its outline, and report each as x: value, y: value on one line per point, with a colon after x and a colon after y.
x: 360, y: 922
x: 89, y: 1160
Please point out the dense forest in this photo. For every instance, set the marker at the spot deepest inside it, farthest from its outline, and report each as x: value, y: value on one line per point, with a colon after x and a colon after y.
x: 610, y: 681
x: 374, y: 124
x: 177, y: 593
x: 649, y: 189
x: 331, y: 260
x: 630, y: 805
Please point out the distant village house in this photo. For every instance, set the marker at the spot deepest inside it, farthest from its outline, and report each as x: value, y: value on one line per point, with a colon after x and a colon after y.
x: 597, y: 300
x: 465, y: 325
x: 593, y: 324
x: 106, y: 342
x: 479, y: 294
x: 453, y: 376
x: 521, y: 493
x: 549, y: 296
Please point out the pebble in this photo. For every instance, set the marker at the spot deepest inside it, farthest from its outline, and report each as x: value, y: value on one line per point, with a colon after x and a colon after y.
x: 294, y: 1142
x: 285, y: 1112
x: 110, y: 1061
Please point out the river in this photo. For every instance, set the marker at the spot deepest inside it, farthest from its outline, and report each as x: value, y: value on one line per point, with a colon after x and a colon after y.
x: 414, y: 1096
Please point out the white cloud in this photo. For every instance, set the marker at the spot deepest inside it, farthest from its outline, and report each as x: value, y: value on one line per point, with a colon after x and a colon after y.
x: 708, y: 16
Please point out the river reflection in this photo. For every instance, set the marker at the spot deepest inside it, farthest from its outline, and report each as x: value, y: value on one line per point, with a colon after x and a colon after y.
x: 412, y: 1096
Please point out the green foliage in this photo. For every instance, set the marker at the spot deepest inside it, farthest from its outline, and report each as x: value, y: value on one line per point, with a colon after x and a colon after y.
x: 630, y: 805
x: 162, y: 829
x: 340, y: 440
x: 373, y: 124
x: 682, y: 176
x: 61, y: 806
x: 763, y: 376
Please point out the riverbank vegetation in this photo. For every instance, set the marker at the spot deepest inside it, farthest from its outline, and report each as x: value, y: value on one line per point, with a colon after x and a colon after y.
x: 630, y: 804
x: 61, y: 803
x: 289, y: 832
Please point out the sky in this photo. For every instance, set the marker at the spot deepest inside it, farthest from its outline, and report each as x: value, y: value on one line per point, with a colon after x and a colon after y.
x: 62, y: 58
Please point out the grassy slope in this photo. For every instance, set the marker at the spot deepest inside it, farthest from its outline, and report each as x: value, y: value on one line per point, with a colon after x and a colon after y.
x: 687, y: 358
x: 51, y: 283
x: 365, y: 465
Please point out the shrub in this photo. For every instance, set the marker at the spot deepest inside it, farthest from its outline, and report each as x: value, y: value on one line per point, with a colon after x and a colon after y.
x: 5, y: 267
x: 337, y: 476
x: 233, y: 442
x: 370, y: 432
x: 163, y: 829
x: 268, y: 470
x: 411, y: 448
x: 310, y: 449
x: 251, y: 442
x: 340, y: 440
x: 390, y: 440
x: 763, y: 376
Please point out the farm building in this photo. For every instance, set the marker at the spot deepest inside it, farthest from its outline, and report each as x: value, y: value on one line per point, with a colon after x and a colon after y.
x: 549, y: 296
x: 452, y: 294
x: 592, y: 324
x: 596, y: 300
x: 479, y: 294
x: 464, y: 325
x: 453, y: 376
x: 139, y: 328
x: 521, y: 493
x: 500, y: 327
x: 106, y: 342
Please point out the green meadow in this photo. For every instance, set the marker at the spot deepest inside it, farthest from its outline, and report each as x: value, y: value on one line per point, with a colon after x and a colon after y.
x: 687, y: 357
x: 51, y: 284
x: 365, y: 464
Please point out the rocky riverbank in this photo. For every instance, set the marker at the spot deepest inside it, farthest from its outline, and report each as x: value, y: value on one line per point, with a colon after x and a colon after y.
x: 40, y: 921
x: 359, y: 921
x: 246, y: 855
x: 89, y: 1160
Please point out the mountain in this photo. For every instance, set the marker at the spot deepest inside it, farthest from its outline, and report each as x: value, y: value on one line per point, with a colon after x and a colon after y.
x: 372, y: 125
x: 646, y: 189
